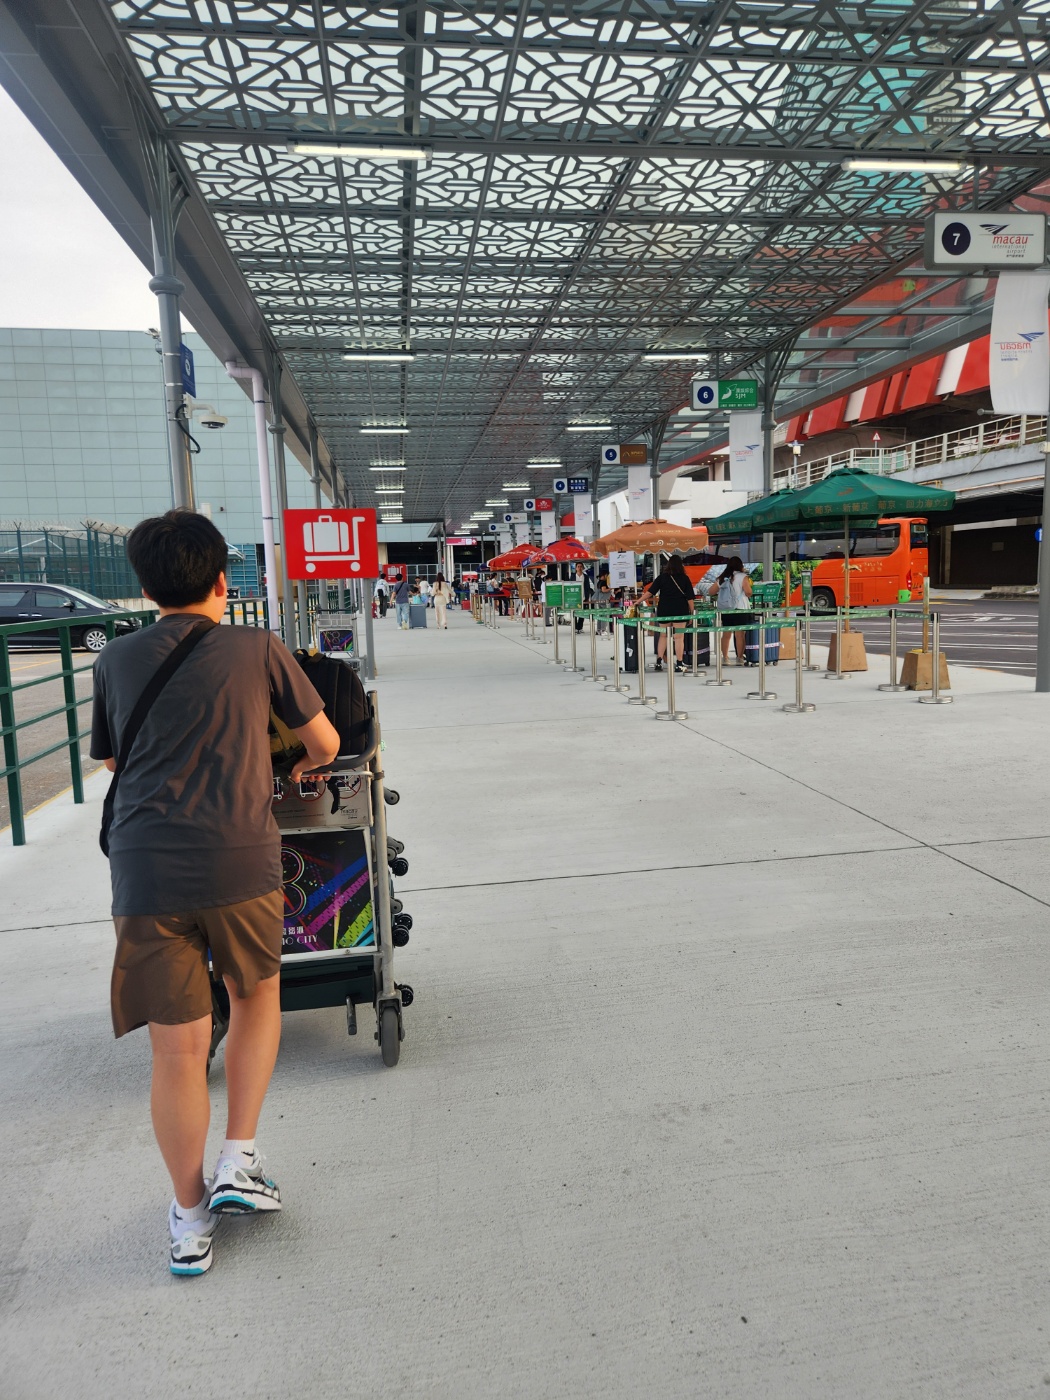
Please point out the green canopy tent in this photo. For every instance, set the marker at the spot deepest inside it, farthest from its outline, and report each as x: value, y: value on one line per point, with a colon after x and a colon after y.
x: 746, y: 520
x: 848, y: 496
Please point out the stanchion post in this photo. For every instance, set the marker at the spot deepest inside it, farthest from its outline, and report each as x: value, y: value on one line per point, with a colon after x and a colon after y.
x: 716, y: 638
x: 800, y: 707
x: 594, y: 650
x: 893, y: 654
x: 670, y: 712
x: 615, y: 684
x: 641, y: 698
x: 761, y: 693
x: 836, y: 675
x: 557, y: 628
x: 935, y: 697
x: 572, y: 637
x: 809, y: 648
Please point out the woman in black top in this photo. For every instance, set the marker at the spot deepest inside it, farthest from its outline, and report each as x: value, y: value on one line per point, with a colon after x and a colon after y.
x: 674, y: 597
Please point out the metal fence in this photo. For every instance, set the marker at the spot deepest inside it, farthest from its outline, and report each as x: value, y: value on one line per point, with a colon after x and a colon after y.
x: 14, y: 760
x: 990, y: 435
x: 88, y: 556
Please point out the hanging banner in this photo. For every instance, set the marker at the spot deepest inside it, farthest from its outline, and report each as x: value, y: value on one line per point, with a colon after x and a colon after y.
x: 548, y: 527
x: 623, y: 571
x: 581, y: 516
x: 1019, y: 347
x: 639, y: 494
x: 745, y: 452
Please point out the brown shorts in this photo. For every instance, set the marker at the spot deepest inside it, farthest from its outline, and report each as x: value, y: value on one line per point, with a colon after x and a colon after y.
x: 160, y: 972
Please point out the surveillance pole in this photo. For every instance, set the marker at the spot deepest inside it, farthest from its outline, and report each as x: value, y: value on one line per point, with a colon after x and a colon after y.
x: 167, y: 289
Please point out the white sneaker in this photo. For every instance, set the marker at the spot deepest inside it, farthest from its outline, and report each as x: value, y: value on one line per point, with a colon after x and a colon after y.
x: 240, y: 1190
x: 191, y: 1251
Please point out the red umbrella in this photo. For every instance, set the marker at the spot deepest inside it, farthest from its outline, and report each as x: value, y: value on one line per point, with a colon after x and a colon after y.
x: 513, y: 559
x: 561, y: 552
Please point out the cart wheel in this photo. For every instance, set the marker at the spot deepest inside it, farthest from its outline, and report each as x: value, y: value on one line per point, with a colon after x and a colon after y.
x: 389, y: 1036
x: 408, y: 996
x: 403, y: 921
x: 393, y: 797
x: 399, y: 937
x: 399, y: 865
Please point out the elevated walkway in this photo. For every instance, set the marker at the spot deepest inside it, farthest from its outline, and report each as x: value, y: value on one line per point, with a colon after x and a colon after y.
x: 726, y: 1073
x: 997, y: 457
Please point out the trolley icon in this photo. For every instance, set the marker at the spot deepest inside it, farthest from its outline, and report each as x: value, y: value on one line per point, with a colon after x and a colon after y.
x: 327, y: 541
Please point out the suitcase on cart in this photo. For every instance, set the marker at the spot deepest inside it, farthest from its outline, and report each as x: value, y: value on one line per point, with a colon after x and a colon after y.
x: 772, y: 636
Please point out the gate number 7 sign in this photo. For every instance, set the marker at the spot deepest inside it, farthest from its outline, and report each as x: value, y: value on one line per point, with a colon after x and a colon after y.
x: 331, y: 544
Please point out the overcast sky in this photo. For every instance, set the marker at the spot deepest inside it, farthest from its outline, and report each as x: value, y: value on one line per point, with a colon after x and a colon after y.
x: 61, y: 264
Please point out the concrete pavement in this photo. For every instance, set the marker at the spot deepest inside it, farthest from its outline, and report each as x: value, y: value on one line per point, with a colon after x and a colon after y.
x: 726, y: 1074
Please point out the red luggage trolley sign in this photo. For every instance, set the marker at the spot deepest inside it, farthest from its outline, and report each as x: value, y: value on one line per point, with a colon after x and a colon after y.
x: 331, y: 544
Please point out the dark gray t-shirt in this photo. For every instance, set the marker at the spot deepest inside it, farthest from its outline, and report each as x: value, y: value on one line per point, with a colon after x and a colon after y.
x: 192, y: 823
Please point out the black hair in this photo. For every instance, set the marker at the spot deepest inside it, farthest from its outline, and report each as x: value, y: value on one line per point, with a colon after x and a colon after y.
x: 676, y: 569
x: 440, y: 578
x: 177, y: 556
x: 735, y: 566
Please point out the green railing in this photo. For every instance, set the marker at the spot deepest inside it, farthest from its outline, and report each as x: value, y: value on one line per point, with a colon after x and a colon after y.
x: 11, y: 726
x: 248, y: 612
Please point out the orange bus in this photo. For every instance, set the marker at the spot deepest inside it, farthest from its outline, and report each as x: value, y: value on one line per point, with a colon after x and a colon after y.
x: 892, y: 556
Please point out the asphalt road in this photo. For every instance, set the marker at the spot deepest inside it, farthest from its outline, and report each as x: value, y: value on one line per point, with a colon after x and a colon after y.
x: 999, y: 635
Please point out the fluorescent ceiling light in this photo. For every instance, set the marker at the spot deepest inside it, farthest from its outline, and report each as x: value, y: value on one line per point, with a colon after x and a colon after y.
x: 499, y: 501
x: 516, y: 486
x: 390, y: 490
x: 918, y: 167
x: 359, y: 150
x: 589, y: 428
x: 538, y: 466
x: 386, y: 467
x: 654, y: 355
x: 376, y: 430
x: 393, y: 357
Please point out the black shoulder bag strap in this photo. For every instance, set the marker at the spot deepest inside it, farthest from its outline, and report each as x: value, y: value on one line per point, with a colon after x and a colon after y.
x: 143, y: 705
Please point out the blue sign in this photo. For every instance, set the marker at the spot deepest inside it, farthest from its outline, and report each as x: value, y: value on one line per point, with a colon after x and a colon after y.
x: 1039, y: 534
x: 579, y: 483
x: 189, y: 378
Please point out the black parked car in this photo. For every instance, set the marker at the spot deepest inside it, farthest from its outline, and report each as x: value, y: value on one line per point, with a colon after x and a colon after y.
x: 24, y: 602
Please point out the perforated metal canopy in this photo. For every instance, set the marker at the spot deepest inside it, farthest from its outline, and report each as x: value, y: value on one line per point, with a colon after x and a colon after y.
x: 603, y: 179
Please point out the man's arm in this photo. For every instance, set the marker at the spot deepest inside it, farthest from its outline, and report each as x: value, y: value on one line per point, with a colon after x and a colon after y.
x: 321, y: 739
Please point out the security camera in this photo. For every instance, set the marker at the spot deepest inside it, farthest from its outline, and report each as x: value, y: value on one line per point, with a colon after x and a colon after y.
x: 210, y: 419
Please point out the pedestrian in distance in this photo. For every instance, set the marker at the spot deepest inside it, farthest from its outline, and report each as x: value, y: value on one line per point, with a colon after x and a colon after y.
x: 673, y: 592
x: 733, y: 600
x: 442, y: 598
x: 402, y: 596
x: 583, y: 578
x: 382, y: 593
x: 195, y: 859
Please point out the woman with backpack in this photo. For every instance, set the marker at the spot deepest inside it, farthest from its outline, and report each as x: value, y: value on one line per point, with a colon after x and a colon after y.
x: 442, y: 595
x: 734, y: 603
x: 674, y: 597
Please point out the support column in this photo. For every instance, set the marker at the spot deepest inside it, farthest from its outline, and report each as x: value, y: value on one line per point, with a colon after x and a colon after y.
x: 277, y: 429
x: 167, y: 288
x: 1042, y: 654
x: 315, y: 468
x: 769, y: 421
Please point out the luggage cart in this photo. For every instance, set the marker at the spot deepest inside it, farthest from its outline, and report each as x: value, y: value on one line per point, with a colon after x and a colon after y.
x: 337, y: 633
x: 342, y: 920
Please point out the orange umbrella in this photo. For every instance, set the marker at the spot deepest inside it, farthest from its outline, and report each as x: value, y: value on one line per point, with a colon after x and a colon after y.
x: 652, y: 537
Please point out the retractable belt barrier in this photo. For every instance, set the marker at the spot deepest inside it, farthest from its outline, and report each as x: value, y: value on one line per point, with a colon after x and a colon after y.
x: 710, y: 624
